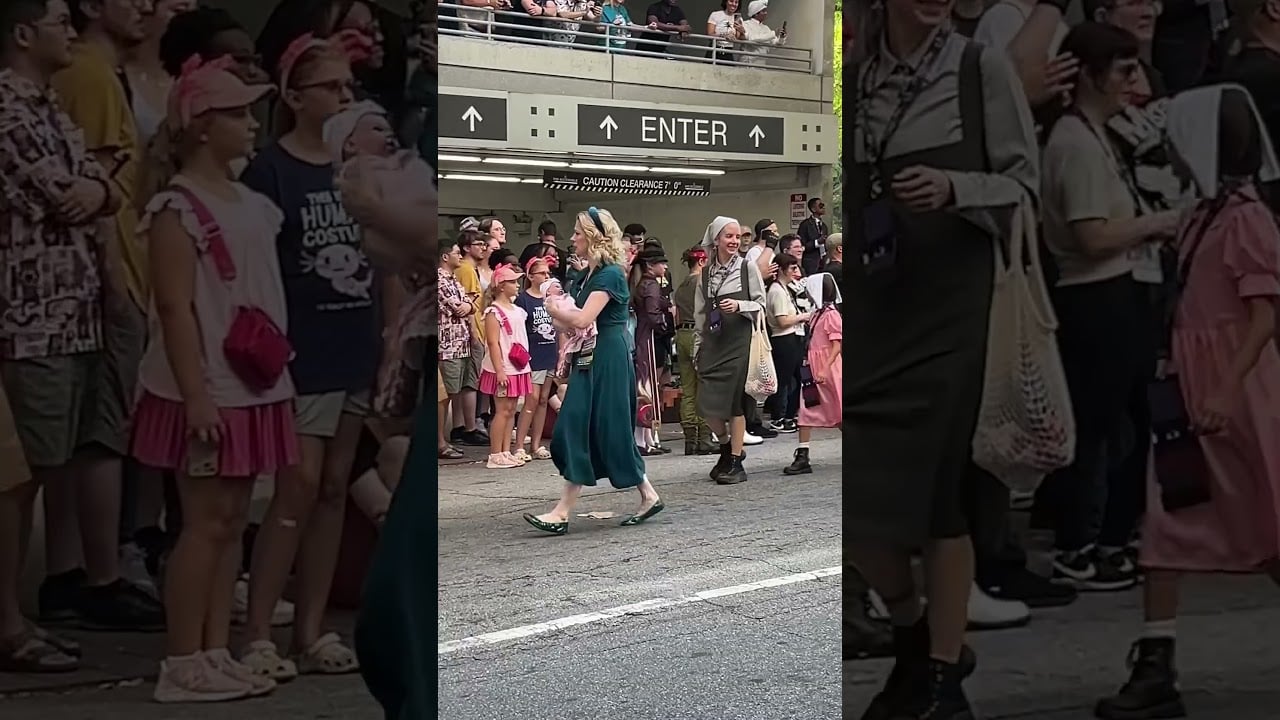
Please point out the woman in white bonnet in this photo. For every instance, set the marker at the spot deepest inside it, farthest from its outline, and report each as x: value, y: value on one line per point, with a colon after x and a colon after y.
x: 728, y: 295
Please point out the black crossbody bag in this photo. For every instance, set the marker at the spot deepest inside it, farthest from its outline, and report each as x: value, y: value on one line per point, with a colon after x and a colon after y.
x: 1181, y: 467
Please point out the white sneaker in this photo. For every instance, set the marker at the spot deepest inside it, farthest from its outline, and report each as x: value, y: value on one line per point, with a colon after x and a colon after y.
x: 988, y: 613
x: 749, y: 439
x: 501, y: 461
x: 281, y: 617
x: 876, y: 609
x: 195, y: 680
x: 133, y: 567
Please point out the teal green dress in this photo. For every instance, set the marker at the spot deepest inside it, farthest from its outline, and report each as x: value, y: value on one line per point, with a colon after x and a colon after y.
x: 396, y: 629
x: 593, y: 436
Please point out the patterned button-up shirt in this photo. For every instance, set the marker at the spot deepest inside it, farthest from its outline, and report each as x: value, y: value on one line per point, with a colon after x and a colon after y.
x: 455, y: 332
x: 50, y: 277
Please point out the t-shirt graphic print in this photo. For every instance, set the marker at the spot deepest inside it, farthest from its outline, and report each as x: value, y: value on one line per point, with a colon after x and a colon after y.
x: 328, y: 280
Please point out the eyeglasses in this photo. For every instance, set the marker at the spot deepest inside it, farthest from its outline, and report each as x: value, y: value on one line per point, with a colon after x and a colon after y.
x: 333, y: 86
x: 63, y: 24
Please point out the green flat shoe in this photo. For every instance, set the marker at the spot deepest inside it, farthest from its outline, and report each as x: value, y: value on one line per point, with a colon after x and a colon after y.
x: 637, y: 519
x: 559, y: 528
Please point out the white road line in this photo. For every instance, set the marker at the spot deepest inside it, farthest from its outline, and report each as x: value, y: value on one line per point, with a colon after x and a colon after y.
x: 639, y: 608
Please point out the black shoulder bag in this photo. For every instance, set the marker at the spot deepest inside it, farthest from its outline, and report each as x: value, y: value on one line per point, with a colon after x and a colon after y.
x: 1181, y: 467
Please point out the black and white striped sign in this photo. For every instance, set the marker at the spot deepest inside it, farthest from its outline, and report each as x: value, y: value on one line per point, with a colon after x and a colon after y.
x: 651, y: 185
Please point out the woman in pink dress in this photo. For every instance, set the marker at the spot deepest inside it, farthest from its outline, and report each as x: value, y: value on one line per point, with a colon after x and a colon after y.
x: 1229, y: 374
x: 823, y: 360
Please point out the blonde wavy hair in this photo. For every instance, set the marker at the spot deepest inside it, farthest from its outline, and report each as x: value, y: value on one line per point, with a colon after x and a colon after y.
x: 602, y: 247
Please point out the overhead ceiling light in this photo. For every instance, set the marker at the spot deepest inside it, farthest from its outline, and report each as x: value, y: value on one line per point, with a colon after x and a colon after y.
x: 459, y: 158
x: 686, y: 171
x: 604, y: 166
x: 526, y: 162
x: 482, y: 178
x: 532, y: 180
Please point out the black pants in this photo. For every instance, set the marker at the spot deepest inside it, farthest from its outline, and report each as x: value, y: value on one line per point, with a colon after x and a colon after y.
x: 1107, y: 347
x: 788, y: 355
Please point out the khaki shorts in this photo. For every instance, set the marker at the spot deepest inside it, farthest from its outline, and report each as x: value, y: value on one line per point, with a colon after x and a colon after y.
x: 319, y: 415
x: 12, y: 458
x: 67, y: 403
x: 478, y: 351
x: 540, y: 377
x: 457, y: 375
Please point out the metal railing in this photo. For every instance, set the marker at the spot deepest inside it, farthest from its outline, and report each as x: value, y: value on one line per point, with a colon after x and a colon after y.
x: 636, y: 40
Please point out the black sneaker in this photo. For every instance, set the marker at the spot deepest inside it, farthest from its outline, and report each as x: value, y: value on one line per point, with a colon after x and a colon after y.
x: 790, y: 426
x: 762, y: 431
x: 778, y: 425
x: 456, y: 435
x: 120, y: 606
x: 475, y: 438
x: 1032, y: 589
x: 1089, y: 571
x: 58, y: 596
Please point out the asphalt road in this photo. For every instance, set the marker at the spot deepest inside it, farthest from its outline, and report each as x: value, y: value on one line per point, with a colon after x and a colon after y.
x: 713, y: 611
x: 767, y: 653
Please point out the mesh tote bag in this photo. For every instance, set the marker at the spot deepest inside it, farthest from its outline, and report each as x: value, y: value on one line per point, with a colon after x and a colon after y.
x: 762, y: 377
x: 1025, y: 427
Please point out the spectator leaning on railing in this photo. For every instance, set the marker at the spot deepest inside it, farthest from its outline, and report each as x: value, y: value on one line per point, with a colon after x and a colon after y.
x: 481, y: 15
x: 571, y: 11
x: 760, y: 37
x: 664, y: 19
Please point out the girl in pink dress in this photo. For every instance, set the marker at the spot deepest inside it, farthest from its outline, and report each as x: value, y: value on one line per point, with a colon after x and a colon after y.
x: 215, y: 408
x: 1228, y: 369
x: 504, y: 373
x: 823, y: 359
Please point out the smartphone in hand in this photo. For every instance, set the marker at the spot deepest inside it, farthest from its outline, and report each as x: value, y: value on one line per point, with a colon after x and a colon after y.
x: 202, y: 459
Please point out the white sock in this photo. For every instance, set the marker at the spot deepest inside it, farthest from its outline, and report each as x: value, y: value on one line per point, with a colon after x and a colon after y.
x: 179, y: 659
x: 1160, y: 629
x: 804, y: 446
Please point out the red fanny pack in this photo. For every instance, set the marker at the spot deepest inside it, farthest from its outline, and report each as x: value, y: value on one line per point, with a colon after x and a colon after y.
x: 519, y: 354
x: 255, y: 348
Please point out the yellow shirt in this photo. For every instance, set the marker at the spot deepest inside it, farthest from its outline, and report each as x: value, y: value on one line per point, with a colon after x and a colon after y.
x: 93, y: 97
x: 468, y: 277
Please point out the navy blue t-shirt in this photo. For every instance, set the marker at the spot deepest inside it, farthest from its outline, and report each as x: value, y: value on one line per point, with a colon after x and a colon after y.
x: 328, y: 282
x: 543, y: 351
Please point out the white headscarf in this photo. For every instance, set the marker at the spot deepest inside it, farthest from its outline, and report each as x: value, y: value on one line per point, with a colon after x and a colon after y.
x: 814, y: 285
x: 713, y: 231
x: 1192, y: 127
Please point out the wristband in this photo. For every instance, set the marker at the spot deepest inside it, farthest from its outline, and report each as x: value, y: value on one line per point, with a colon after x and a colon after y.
x: 1061, y: 5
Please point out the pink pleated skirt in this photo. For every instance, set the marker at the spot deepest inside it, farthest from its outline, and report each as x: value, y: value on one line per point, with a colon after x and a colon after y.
x: 256, y: 440
x: 517, y: 385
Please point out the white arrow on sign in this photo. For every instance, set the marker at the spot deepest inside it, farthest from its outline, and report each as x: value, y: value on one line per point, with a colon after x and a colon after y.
x: 756, y: 134
x: 472, y: 116
x: 608, y: 126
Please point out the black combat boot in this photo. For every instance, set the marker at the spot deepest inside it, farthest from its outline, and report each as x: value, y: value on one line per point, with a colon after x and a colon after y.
x: 724, y: 463
x: 1152, y: 690
x: 910, y: 689
x: 944, y: 697
x: 799, y: 466
x: 734, y: 474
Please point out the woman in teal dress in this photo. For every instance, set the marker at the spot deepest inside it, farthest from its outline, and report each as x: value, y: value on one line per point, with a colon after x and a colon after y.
x: 593, y: 433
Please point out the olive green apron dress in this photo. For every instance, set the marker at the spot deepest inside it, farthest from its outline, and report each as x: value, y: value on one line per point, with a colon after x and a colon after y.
x: 917, y: 340
x: 723, y: 356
